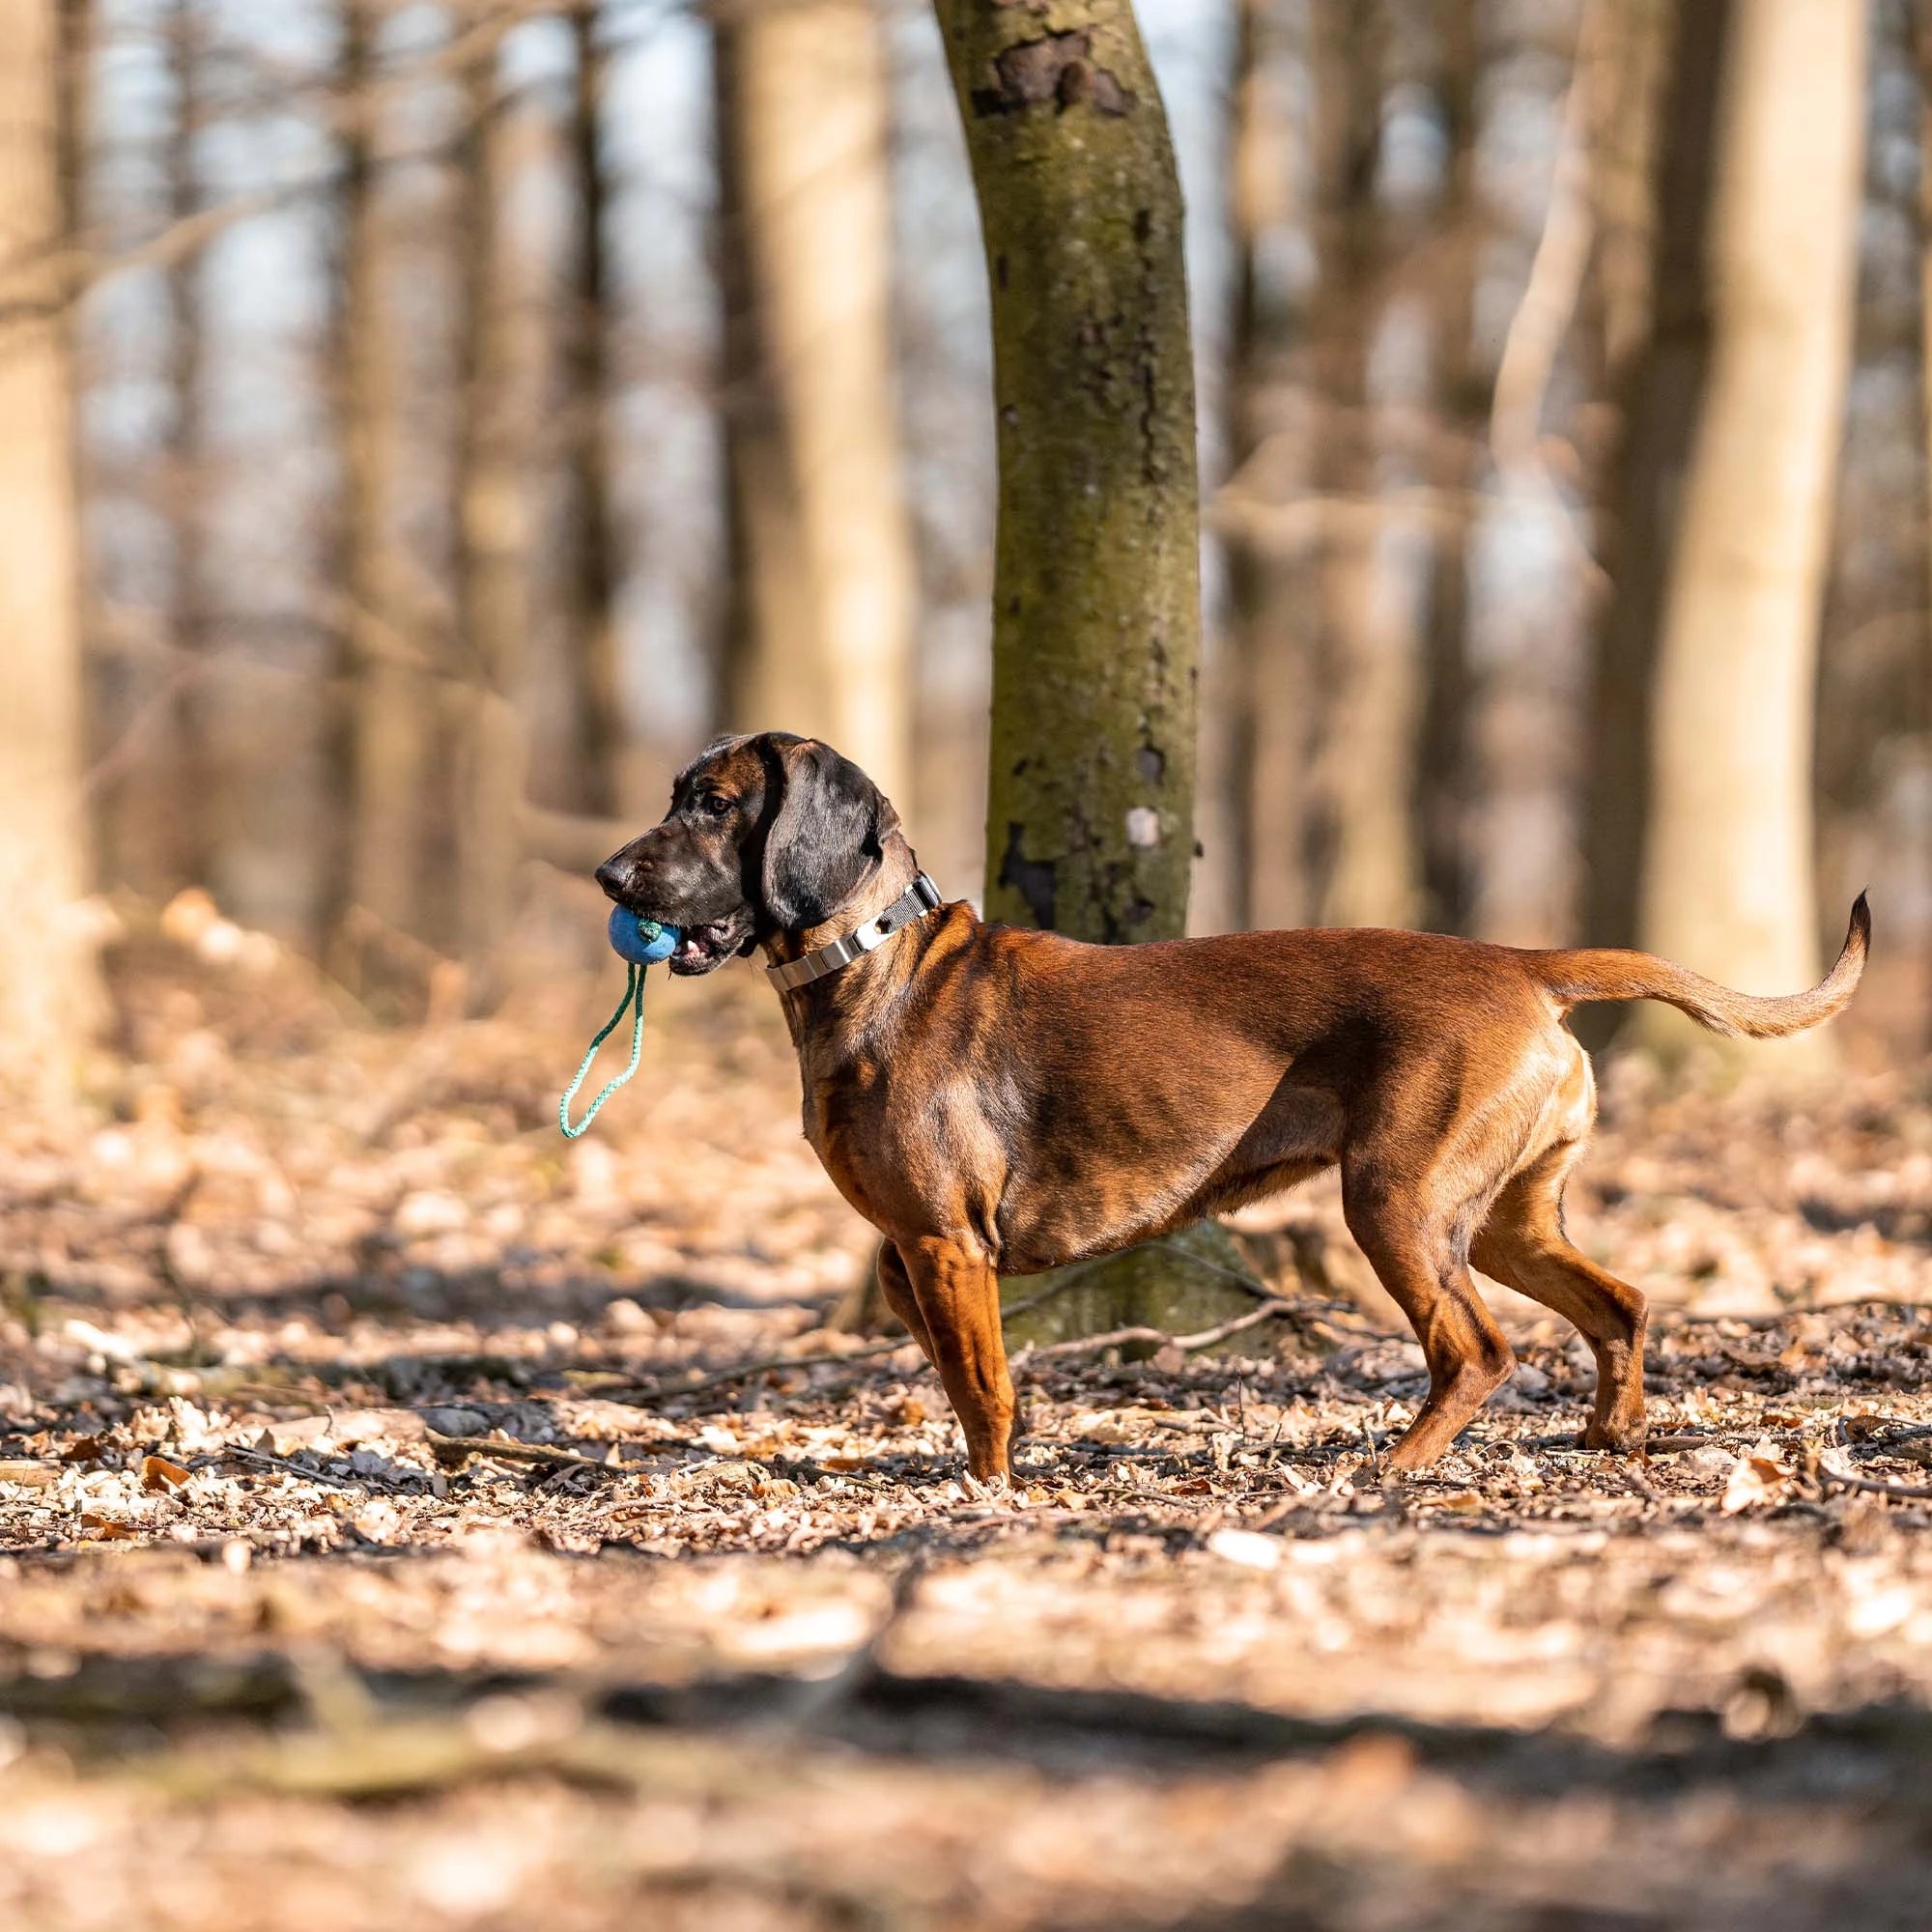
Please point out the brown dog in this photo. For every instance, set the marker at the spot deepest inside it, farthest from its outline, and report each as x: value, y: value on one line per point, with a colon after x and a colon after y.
x: 999, y: 1101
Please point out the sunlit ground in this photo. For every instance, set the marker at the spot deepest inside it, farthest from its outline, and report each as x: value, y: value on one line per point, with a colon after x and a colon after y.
x: 395, y: 1529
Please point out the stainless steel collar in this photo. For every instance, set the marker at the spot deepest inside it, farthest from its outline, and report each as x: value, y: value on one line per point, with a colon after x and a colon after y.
x: 918, y: 899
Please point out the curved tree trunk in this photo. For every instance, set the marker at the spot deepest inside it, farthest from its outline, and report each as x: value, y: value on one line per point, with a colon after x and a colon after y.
x: 1096, y: 596
x: 48, y: 990
x: 1728, y: 880
x: 823, y: 642
x: 1096, y: 605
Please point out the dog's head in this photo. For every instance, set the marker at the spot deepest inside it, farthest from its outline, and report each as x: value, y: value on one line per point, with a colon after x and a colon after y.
x: 765, y: 835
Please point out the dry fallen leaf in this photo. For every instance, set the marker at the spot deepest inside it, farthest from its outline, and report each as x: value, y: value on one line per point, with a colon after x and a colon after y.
x: 107, y: 1531
x: 28, y: 1475
x: 1753, y: 1480
x: 158, y: 1475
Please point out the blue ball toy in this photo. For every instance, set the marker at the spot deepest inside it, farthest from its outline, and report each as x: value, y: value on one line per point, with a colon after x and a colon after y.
x: 643, y: 942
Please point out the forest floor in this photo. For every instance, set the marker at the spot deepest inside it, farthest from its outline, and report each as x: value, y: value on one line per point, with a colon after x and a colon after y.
x: 394, y: 1530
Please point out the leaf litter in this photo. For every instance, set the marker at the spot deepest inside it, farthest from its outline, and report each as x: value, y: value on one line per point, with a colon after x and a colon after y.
x: 358, y: 1441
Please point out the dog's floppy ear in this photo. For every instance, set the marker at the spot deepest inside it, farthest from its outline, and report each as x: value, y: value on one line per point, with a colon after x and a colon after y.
x: 828, y: 831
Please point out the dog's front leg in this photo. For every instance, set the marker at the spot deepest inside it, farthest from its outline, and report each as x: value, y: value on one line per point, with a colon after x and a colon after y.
x: 958, y: 1295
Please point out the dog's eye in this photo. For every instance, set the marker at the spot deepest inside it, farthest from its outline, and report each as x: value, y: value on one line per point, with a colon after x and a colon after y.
x: 714, y: 805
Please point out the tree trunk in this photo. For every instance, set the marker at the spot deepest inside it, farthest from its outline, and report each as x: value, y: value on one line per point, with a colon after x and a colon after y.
x: 1096, y: 610
x: 1097, y: 597
x: 1444, y: 775
x: 1728, y: 883
x: 201, y: 804
x: 1272, y: 731
x: 596, y: 737
x: 385, y: 738
x: 824, y: 638
x: 1661, y: 397
x: 1372, y: 695
x: 493, y: 536
x: 49, y: 991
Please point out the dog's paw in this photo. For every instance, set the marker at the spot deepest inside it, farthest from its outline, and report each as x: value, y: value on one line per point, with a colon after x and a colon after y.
x: 1618, y: 1441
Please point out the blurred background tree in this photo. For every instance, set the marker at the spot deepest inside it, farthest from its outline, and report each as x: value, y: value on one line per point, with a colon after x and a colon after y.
x: 48, y: 984
x: 476, y: 403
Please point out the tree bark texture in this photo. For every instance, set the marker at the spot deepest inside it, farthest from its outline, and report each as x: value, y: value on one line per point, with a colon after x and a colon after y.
x: 824, y: 632
x: 1271, y: 733
x: 493, y: 531
x: 1097, y: 617
x: 596, y: 740
x: 387, y: 737
x: 1728, y: 878
x: 1097, y: 596
x: 199, y: 780
x: 49, y: 992
x: 1660, y: 398
x: 1372, y: 698
x: 1444, y: 774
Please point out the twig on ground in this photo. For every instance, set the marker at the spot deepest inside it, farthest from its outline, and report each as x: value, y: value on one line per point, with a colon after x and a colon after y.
x: 744, y: 1371
x: 455, y: 1447
x: 1160, y: 1338
x: 1832, y: 1478
x: 276, y: 1463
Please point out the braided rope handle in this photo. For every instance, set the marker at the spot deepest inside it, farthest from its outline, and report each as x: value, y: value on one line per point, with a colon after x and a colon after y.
x: 634, y: 996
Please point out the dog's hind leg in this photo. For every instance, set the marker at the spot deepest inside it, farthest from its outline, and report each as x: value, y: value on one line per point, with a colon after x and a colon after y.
x: 896, y: 1284
x: 1417, y: 1250
x: 1524, y: 1246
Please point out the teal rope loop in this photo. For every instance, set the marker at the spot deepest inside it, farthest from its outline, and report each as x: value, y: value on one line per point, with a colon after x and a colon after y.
x: 634, y: 996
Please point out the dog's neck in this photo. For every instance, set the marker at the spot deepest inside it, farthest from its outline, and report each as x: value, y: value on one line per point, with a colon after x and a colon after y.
x: 895, y: 870
x: 866, y: 982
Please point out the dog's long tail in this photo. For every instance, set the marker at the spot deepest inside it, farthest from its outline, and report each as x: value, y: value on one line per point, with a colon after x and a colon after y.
x: 1605, y: 973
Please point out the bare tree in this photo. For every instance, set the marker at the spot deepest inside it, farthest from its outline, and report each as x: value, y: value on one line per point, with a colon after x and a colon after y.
x: 1097, y: 597
x: 1660, y: 383
x: 1444, y: 777
x: 492, y: 521
x: 199, y: 807
x: 1370, y: 696
x: 824, y: 633
x: 1728, y: 880
x: 1273, y: 716
x: 1096, y: 620
x: 49, y: 993
x: 596, y: 711
x: 386, y: 735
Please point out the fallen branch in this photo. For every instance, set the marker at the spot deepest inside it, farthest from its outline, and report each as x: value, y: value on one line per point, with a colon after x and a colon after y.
x: 454, y: 1448
x: 765, y: 1364
x: 280, y: 1463
x: 1158, y: 1338
x: 1832, y: 1478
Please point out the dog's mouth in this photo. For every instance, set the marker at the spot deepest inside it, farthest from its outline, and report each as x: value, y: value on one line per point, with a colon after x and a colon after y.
x: 702, y: 948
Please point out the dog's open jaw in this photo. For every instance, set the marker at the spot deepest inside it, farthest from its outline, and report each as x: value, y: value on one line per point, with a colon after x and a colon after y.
x: 702, y: 949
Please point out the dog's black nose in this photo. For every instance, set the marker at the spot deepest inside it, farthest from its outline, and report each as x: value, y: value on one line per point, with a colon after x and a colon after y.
x: 611, y: 876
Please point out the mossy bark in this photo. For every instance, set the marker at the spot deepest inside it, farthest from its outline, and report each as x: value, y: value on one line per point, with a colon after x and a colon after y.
x: 1097, y: 615
x: 1096, y: 596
